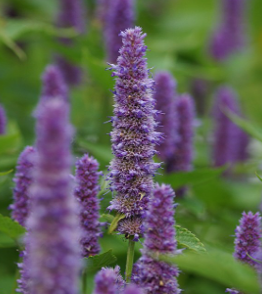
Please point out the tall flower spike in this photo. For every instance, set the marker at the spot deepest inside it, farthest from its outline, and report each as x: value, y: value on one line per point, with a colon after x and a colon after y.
x: 2, y: 121
x: 133, y: 137
x: 165, y: 103
x: 229, y: 37
x: 248, y: 234
x: 226, y: 136
x: 53, y: 83
x: 52, y: 245
x: 71, y: 15
x: 86, y: 191
x: 152, y: 275
x: 109, y: 281
x: 23, y: 180
x: 120, y: 16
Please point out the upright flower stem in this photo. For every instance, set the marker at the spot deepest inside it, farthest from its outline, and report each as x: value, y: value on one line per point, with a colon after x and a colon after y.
x: 130, y: 259
x: 84, y: 277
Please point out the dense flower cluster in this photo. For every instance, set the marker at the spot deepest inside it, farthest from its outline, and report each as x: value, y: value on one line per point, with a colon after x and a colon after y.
x: 165, y: 102
x: 248, y: 234
x: 23, y: 180
x: 109, y: 281
x: 86, y: 191
x: 2, y: 121
x: 119, y: 17
x: 133, y: 137
x: 229, y: 37
x: 152, y: 275
x: 133, y: 289
x: 52, y: 244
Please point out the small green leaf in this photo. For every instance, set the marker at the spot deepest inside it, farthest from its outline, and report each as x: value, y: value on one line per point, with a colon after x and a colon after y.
x: 5, y: 173
x: 108, y: 217
x: 11, y: 228
x: 97, y: 262
x: 114, y: 222
x: 258, y: 176
x: 187, y: 239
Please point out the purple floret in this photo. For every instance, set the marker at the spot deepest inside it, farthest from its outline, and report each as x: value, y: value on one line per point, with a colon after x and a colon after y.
x: 2, y: 121
x: 232, y: 291
x: 248, y: 234
x: 53, y: 83
x: 152, y: 275
x: 119, y: 17
x: 109, y: 281
x: 133, y: 289
x: 23, y: 180
x: 165, y: 92
x: 86, y: 191
x: 53, y: 259
x: 133, y: 137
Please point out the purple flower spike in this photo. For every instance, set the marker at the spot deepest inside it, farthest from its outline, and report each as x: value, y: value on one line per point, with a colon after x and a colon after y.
x: 109, y: 281
x: 133, y: 289
x: 2, y: 121
x: 232, y: 291
x: 52, y: 245
x: 242, y: 154
x: 23, y: 180
x: 133, y: 137
x: 229, y: 37
x: 165, y: 102
x: 248, y: 234
x: 53, y: 84
x: 183, y: 155
x: 226, y: 138
x: 120, y: 16
x: 152, y: 275
x: 87, y: 176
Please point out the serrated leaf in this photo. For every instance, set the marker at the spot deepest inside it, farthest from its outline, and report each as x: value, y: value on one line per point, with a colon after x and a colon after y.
x: 220, y: 267
x: 185, y: 238
x: 11, y: 228
x: 97, y: 262
x: 114, y: 222
x: 5, y: 173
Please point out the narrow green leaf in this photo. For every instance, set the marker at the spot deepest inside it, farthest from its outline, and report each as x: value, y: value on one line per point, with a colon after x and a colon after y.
x: 11, y: 228
x: 5, y: 173
x: 187, y: 239
x: 108, y: 217
x: 258, y: 176
x: 97, y: 262
x: 114, y: 222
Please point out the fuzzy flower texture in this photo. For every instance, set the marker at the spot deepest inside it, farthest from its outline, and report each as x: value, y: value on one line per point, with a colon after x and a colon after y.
x: 87, y: 176
x: 133, y: 137
x: 152, y: 275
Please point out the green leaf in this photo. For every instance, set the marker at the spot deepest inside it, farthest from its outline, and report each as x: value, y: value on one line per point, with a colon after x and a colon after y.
x: 6, y: 242
x: 11, y: 141
x: 11, y: 228
x: 108, y: 217
x: 195, y: 177
x: 115, y: 221
x: 187, y: 239
x: 5, y: 173
x: 252, y: 130
x: 97, y: 262
x: 220, y: 267
x: 258, y: 176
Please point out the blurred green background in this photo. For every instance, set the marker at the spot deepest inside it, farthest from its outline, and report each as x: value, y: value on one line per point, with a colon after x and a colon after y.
x: 178, y: 34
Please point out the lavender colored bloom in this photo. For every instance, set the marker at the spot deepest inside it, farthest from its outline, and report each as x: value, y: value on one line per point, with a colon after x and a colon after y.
x: 229, y: 37
x: 71, y: 14
x: 183, y: 155
x: 23, y: 180
x: 2, y: 121
x: 165, y: 102
x: 109, y: 281
x: 133, y: 137
x: 52, y: 245
x: 242, y: 154
x: 152, y: 275
x: 133, y: 289
x: 102, y: 10
x: 226, y: 137
x: 248, y: 234
x: 53, y: 83
x: 232, y: 291
x: 87, y: 177
x: 120, y: 16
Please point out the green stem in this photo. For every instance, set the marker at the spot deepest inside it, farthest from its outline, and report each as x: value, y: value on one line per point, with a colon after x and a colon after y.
x: 130, y: 259
x: 84, y: 277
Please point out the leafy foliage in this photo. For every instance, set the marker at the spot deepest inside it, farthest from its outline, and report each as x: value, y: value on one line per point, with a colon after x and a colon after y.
x: 11, y: 228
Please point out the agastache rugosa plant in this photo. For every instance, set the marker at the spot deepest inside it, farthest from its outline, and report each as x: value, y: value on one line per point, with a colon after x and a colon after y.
x: 52, y: 262
x: 165, y: 86
x: 153, y: 275
x: 23, y: 180
x: 71, y: 15
x: 229, y: 37
x: 86, y: 191
x: 119, y: 17
x: 2, y: 120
